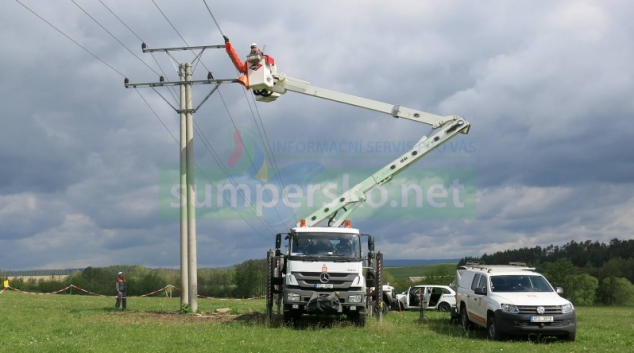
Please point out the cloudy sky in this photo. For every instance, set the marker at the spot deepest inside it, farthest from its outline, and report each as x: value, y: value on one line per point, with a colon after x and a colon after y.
x: 546, y: 85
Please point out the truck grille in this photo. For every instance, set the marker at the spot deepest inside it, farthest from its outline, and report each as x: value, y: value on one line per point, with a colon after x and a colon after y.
x: 316, y: 274
x: 341, y: 281
x: 532, y: 309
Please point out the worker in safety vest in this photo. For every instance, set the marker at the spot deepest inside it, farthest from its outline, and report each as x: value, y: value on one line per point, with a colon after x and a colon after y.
x: 243, y: 66
x: 121, y: 291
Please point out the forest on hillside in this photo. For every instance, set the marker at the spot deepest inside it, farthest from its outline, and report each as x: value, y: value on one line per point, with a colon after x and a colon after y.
x: 589, y: 272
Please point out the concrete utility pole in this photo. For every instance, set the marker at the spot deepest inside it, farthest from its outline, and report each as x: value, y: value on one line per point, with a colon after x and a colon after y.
x: 191, y: 196
x: 189, y: 261
x: 183, y: 183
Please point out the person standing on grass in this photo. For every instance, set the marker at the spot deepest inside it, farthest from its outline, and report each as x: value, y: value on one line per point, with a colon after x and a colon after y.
x: 121, y: 291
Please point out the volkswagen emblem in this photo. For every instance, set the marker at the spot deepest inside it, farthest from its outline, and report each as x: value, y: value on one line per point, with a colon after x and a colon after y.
x: 324, y: 277
x: 541, y: 310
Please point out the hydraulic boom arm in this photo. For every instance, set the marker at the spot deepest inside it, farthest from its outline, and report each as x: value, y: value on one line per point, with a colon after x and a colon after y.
x: 445, y: 127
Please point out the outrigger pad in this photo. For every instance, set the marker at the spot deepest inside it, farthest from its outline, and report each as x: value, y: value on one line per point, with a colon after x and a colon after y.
x: 324, y: 303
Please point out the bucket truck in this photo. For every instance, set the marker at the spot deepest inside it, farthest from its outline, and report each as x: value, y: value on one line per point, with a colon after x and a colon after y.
x: 322, y: 270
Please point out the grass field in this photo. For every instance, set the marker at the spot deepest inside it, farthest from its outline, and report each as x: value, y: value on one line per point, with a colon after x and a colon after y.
x: 401, y: 273
x: 62, y: 323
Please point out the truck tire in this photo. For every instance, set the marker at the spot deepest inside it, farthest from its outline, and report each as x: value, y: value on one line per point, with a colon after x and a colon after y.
x: 358, y: 319
x: 444, y: 307
x: 464, y: 318
x: 291, y: 318
x: 492, y: 331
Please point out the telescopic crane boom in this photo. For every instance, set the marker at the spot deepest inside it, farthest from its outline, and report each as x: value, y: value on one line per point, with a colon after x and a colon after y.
x: 268, y: 85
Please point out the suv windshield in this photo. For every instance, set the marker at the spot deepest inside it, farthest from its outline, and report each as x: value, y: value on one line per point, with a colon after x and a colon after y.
x: 326, y: 244
x: 519, y: 283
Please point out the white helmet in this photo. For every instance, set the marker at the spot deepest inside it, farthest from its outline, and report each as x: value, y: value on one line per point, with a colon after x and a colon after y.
x: 253, y: 45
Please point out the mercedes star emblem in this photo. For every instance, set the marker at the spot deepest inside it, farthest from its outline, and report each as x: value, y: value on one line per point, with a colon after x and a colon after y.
x: 324, y: 278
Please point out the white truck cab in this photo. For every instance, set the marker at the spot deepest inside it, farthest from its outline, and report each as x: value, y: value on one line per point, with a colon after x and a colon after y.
x: 512, y: 299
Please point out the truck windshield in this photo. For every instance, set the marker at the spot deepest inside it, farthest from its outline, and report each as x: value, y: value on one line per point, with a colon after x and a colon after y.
x: 326, y: 245
x: 519, y: 283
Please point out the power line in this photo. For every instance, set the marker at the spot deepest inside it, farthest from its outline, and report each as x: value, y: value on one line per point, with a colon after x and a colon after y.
x: 115, y: 38
x: 246, y: 150
x: 71, y: 39
x: 212, y: 16
x: 120, y: 20
x: 177, y: 32
x: 272, y: 157
x: 170, y: 22
x: 219, y: 162
x: 146, y: 102
x: 199, y: 169
x: 170, y: 89
x: 234, y: 125
x: 279, y: 177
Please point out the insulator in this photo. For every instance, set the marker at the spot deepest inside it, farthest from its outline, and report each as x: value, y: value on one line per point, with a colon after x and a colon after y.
x: 143, y: 46
x: 162, y: 79
x: 210, y: 76
x: 126, y: 81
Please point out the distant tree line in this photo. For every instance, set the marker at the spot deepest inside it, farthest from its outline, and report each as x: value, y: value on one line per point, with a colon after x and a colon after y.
x: 589, y: 272
x: 245, y: 280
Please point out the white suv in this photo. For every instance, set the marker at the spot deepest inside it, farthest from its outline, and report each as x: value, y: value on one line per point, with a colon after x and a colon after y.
x: 442, y: 298
x: 512, y: 299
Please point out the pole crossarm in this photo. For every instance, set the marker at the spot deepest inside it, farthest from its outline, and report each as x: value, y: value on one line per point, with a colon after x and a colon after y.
x: 178, y: 83
x: 217, y: 46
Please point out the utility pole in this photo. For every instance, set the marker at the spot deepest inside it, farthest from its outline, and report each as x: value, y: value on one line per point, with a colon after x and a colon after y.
x: 183, y: 184
x: 191, y: 196
x: 189, y: 260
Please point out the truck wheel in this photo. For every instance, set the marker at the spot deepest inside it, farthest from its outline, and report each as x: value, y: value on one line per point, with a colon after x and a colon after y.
x: 492, y: 332
x: 291, y: 318
x: 464, y: 318
x: 358, y: 319
x: 444, y: 307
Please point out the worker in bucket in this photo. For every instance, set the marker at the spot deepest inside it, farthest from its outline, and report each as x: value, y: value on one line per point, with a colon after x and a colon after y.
x: 254, y: 61
x: 255, y: 50
x: 121, y: 291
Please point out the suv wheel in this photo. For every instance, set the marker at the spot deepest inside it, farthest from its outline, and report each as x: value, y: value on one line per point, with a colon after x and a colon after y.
x: 444, y: 307
x: 464, y: 318
x: 492, y: 331
x: 571, y: 337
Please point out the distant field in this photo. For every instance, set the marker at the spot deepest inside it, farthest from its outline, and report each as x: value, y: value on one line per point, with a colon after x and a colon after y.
x: 62, y: 323
x: 401, y: 273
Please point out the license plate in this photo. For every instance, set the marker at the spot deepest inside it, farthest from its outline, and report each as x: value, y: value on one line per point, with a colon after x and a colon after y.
x: 542, y: 319
x: 321, y: 285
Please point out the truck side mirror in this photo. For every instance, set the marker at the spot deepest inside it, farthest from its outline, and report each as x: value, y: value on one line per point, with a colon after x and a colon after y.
x: 559, y: 290
x: 278, y: 241
x: 370, y: 243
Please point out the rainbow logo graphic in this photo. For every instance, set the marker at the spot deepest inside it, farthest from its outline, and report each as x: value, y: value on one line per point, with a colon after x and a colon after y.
x: 248, y: 164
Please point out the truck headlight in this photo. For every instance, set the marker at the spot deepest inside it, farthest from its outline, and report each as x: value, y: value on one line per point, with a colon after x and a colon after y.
x: 293, y: 297
x: 567, y: 308
x: 508, y: 308
x: 355, y: 298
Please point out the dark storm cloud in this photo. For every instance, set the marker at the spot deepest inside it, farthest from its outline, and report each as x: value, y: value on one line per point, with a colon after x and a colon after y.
x: 545, y: 84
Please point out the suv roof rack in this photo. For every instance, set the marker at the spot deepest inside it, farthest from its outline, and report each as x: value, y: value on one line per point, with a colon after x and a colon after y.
x: 476, y: 265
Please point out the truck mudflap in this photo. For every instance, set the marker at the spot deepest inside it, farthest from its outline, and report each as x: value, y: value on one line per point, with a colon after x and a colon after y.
x: 323, y: 303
